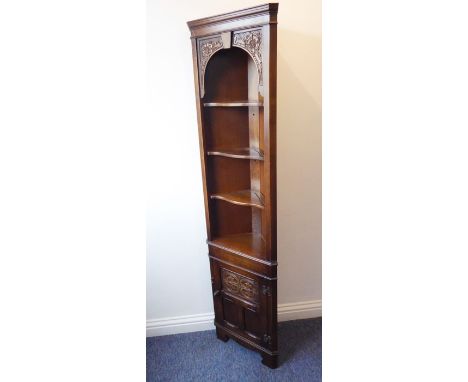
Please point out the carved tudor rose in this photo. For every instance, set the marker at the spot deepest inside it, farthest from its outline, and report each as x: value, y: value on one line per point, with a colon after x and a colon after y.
x: 251, y: 41
x: 248, y: 289
x: 240, y: 286
x: 206, y: 48
x: 231, y: 282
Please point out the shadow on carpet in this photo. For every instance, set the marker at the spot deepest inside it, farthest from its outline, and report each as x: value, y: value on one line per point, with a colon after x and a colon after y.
x: 200, y: 356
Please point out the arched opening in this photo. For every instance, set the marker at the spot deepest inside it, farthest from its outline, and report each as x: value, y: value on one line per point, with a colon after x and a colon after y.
x: 231, y: 75
x: 233, y: 133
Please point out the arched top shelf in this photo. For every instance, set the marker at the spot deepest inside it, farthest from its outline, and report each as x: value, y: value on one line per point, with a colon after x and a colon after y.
x: 249, y: 41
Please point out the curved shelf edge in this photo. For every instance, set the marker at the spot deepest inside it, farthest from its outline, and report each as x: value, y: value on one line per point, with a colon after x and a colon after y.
x: 266, y: 262
x: 242, y: 198
x: 242, y: 153
x: 249, y: 245
x: 233, y: 104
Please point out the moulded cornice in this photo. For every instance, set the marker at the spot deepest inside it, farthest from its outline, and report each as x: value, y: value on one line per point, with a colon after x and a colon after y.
x: 270, y: 10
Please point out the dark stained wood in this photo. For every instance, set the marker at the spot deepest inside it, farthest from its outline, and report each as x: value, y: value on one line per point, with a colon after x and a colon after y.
x: 259, y: 15
x: 259, y: 267
x: 239, y: 153
x: 269, y: 9
x: 227, y: 175
x: 226, y: 127
x: 248, y: 244
x: 226, y: 76
x: 224, y: 224
x: 243, y: 198
x: 234, y: 62
x: 233, y: 104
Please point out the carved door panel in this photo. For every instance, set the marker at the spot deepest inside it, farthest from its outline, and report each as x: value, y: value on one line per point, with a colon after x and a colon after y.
x: 241, y: 303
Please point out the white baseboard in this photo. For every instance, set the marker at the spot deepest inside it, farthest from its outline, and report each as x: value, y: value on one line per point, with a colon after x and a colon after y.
x: 181, y: 324
x: 299, y: 310
x: 199, y: 322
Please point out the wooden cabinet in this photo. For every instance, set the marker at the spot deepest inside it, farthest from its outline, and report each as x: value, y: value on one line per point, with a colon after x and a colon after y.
x: 234, y: 60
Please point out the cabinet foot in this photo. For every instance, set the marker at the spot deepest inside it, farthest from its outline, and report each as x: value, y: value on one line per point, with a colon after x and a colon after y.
x: 270, y: 360
x: 221, y: 336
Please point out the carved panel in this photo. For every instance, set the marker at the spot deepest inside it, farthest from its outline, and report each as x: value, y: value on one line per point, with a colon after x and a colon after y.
x: 206, y: 48
x: 251, y: 42
x: 239, y: 285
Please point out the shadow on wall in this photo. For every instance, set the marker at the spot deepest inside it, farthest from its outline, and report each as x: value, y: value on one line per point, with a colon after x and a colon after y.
x: 299, y: 167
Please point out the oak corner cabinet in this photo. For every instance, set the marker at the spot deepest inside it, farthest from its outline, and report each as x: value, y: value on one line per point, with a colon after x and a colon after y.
x: 234, y: 61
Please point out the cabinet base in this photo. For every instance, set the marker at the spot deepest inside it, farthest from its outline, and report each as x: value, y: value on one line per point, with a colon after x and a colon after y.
x: 270, y: 360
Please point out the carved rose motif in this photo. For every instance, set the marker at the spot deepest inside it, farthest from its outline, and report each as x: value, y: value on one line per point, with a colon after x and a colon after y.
x: 209, y: 47
x: 251, y: 41
x: 239, y: 285
x: 248, y: 289
x: 206, y: 48
x: 231, y: 282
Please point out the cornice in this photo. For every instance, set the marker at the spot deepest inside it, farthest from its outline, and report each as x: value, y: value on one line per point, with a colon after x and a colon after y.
x: 270, y: 9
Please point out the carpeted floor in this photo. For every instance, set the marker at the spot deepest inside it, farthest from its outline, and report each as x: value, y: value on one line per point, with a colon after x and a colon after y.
x: 200, y: 356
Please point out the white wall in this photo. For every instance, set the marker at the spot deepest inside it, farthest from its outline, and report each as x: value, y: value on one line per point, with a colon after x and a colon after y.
x: 178, y: 280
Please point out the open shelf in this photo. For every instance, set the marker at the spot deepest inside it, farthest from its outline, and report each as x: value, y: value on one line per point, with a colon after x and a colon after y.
x: 248, y: 244
x: 242, y: 198
x: 233, y: 104
x: 240, y: 153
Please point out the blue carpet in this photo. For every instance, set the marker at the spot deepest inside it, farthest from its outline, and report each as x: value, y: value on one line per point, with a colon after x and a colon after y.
x: 200, y: 356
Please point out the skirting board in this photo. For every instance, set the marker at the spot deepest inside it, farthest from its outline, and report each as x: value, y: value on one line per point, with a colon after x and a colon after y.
x: 198, y: 322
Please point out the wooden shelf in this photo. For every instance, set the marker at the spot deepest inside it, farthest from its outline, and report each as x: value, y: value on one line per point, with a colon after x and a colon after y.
x: 241, y: 198
x: 233, y: 104
x: 240, y: 153
x: 246, y: 244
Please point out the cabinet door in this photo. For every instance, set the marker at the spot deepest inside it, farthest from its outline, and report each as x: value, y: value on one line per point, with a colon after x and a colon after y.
x: 242, y: 303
